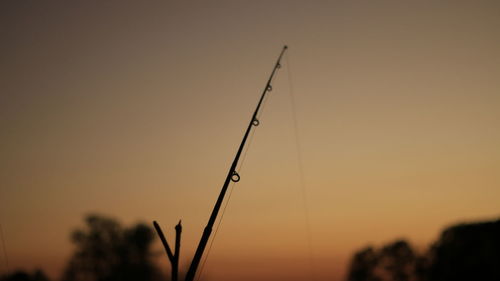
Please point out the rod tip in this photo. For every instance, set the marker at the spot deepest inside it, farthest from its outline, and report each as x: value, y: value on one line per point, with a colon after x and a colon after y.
x: 285, y: 47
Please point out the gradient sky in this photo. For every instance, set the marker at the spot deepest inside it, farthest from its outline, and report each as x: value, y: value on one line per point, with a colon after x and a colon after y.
x: 135, y: 110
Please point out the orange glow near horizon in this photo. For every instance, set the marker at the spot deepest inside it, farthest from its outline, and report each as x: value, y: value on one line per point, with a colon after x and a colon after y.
x: 135, y: 110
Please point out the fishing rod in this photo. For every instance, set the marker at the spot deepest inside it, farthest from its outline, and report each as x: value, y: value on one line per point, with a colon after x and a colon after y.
x: 233, y: 176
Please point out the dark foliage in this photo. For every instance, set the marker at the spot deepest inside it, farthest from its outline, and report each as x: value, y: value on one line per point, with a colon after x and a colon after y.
x: 106, y: 251
x: 467, y: 252
x: 363, y: 265
x: 395, y: 261
x: 38, y: 275
x: 464, y: 252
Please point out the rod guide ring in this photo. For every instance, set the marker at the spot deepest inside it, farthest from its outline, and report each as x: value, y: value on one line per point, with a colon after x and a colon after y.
x: 235, y: 177
x: 255, y: 122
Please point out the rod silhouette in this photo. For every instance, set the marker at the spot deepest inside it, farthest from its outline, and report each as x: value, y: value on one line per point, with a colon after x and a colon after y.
x: 231, y: 176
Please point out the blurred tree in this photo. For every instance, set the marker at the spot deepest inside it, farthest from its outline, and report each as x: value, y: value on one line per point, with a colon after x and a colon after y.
x: 397, y: 261
x: 394, y: 262
x: 467, y: 252
x: 363, y: 266
x: 105, y: 251
x: 464, y: 252
x: 38, y: 275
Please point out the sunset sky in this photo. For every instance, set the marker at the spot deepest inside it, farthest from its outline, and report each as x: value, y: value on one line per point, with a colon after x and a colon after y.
x: 135, y: 109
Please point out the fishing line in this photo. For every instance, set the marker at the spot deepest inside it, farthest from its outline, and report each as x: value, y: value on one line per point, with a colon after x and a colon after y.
x: 300, y: 168
x: 232, y: 177
x: 231, y: 188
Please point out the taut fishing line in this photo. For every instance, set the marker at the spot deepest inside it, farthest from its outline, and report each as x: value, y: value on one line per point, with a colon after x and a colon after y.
x: 301, y: 180
x: 231, y: 188
x: 231, y: 177
x: 300, y: 168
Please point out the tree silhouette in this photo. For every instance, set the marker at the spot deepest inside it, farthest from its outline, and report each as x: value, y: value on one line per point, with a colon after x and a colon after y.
x: 395, y: 261
x: 398, y: 261
x: 464, y: 252
x: 467, y: 252
x: 38, y: 275
x: 106, y: 251
x: 363, y: 266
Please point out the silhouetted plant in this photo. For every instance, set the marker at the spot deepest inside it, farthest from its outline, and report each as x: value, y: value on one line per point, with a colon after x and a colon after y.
x: 464, y: 252
x: 105, y: 251
x: 467, y: 252
x: 395, y: 261
x: 363, y: 265
x: 38, y: 275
